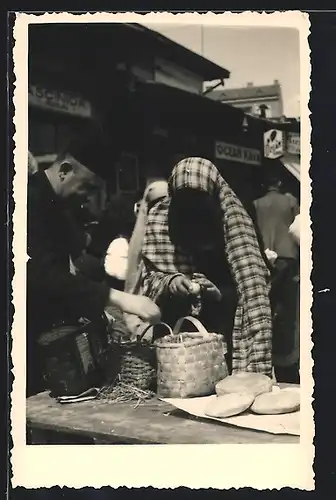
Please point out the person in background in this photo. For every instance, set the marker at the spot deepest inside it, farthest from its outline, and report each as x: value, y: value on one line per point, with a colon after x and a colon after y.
x: 55, y: 293
x: 154, y: 192
x: 288, y: 364
x: 32, y: 164
x: 201, y: 234
x: 275, y: 212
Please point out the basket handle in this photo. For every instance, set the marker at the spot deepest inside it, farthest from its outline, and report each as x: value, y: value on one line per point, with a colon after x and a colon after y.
x: 139, y: 337
x: 194, y: 321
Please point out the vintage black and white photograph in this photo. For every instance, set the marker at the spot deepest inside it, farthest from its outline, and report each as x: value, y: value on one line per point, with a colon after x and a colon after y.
x: 163, y: 188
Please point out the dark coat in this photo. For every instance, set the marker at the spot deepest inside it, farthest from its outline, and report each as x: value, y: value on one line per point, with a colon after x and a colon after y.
x: 53, y: 293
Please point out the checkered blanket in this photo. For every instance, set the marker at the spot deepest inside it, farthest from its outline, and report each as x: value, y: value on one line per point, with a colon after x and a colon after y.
x: 252, y: 332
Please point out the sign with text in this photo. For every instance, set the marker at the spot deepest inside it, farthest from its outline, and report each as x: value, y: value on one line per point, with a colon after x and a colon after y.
x: 273, y: 144
x: 231, y: 152
x: 293, y: 143
x: 64, y: 102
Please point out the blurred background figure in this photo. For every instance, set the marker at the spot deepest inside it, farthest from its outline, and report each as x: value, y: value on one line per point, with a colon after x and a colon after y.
x: 32, y: 164
x: 154, y: 192
x: 275, y: 212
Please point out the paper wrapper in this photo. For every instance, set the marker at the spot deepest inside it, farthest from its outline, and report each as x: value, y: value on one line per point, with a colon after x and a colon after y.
x: 274, y: 424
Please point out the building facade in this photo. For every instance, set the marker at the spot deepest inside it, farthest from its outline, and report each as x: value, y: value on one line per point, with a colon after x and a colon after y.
x: 93, y: 76
x: 263, y: 101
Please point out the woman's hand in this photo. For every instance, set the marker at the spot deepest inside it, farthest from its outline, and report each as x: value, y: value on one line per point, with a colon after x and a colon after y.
x: 208, y: 288
x: 180, y: 285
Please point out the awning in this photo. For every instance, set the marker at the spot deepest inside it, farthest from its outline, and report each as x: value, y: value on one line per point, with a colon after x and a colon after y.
x: 292, y: 164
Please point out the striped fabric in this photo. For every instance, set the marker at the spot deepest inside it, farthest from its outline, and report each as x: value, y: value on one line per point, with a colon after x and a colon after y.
x: 252, y: 333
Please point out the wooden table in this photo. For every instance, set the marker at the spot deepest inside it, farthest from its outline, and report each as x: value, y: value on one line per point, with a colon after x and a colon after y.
x: 154, y: 422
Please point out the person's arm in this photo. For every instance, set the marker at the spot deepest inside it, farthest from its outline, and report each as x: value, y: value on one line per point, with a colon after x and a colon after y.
x: 85, y: 298
x: 155, y: 284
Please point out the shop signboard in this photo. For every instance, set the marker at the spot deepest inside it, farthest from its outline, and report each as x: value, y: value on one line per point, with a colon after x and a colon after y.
x: 241, y: 154
x: 293, y: 143
x: 273, y: 144
x: 64, y: 102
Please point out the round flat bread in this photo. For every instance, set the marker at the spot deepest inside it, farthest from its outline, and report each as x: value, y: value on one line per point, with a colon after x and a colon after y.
x: 275, y: 403
x: 254, y: 383
x: 229, y: 405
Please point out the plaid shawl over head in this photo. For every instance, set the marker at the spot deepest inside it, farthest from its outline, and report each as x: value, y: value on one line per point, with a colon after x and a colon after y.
x: 252, y: 333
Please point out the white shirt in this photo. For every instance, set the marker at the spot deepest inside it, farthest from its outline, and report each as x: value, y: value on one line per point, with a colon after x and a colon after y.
x: 294, y: 229
x: 117, y: 258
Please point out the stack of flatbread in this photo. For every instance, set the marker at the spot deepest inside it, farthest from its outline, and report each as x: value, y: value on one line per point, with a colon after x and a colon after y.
x: 254, y: 392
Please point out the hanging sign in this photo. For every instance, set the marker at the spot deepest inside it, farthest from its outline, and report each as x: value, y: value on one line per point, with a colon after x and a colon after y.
x: 64, y: 102
x: 231, y: 152
x: 293, y: 143
x: 273, y: 144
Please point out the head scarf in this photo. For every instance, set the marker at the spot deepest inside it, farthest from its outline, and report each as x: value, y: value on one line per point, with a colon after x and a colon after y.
x: 252, y: 330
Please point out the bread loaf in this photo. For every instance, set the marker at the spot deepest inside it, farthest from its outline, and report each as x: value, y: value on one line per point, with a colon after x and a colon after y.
x: 229, y: 405
x: 274, y: 403
x: 254, y: 383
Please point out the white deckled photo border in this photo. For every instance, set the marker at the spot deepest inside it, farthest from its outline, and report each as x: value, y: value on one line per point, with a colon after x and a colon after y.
x: 159, y: 466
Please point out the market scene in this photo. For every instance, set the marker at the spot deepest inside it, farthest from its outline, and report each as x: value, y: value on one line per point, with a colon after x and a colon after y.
x: 163, y: 235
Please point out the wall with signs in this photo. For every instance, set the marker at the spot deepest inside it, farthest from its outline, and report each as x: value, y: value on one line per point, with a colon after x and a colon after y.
x: 59, y: 100
x: 242, y: 168
x: 235, y: 153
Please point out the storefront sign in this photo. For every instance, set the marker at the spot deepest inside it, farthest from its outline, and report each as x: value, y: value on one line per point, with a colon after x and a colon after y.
x: 293, y: 143
x: 273, y: 144
x: 231, y: 152
x: 64, y: 102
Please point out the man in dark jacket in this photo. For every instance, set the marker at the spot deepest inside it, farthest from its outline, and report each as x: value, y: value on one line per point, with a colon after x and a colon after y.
x: 54, y: 293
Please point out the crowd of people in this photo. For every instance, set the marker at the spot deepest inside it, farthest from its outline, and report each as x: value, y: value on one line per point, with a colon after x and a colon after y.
x: 140, y: 262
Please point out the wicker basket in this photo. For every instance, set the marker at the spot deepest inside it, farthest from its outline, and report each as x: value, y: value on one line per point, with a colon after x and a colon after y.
x: 73, y: 357
x: 137, y: 362
x: 189, y: 364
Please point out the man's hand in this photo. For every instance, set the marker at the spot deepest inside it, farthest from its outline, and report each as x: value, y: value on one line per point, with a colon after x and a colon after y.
x: 180, y: 285
x: 139, y: 305
x: 208, y: 288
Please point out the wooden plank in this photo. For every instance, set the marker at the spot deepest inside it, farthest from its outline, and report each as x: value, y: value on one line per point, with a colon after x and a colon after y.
x: 155, y: 422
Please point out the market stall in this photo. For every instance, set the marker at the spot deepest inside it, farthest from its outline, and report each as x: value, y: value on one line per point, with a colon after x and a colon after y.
x: 157, y: 393
x: 152, y: 422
